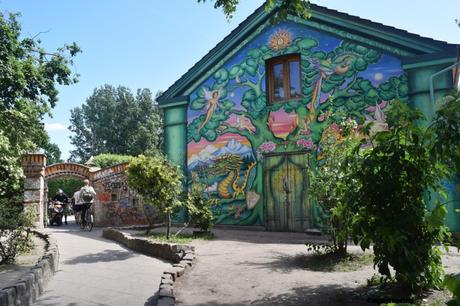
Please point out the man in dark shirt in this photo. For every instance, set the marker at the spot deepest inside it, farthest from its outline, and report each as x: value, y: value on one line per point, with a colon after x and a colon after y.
x: 64, y: 199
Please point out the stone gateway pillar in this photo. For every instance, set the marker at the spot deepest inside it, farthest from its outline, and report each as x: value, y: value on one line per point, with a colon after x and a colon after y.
x: 34, y: 184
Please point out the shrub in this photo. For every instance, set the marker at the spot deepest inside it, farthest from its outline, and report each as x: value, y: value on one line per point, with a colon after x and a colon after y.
x: 199, y: 210
x: 109, y: 160
x: 390, y: 200
x: 15, y: 224
x: 330, y: 182
x: 158, y: 182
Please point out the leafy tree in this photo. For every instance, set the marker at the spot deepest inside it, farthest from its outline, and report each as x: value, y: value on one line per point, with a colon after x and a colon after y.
x: 53, y: 153
x: 391, y: 179
x: 299, y: 7
x: 113, y: 120
x: 29, y: 76
x: 67, y: 184
x: 158, y: 182
x: 108, y: 160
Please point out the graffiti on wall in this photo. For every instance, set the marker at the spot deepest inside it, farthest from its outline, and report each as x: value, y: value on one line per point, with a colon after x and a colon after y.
x: 118, y: 204
x: 231, y: 126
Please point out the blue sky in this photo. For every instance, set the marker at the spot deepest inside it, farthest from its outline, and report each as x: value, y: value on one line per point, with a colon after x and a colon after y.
x: 151, y: 43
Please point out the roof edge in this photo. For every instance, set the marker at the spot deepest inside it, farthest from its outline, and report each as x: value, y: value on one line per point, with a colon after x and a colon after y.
x: 414, y: 43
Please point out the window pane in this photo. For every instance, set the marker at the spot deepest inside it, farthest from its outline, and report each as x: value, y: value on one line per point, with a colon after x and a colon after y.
x: 278, y: 81
x: 294, y: 77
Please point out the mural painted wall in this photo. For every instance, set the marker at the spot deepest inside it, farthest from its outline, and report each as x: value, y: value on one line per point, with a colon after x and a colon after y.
x: 116, y: 204
x: 231, y: 127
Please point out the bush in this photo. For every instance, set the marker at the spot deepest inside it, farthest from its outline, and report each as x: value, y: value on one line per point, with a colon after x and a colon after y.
x: 158, y: 182
x: 109, y: 160
x: 15, y: 224
x: 199, y: 210
x: 390, y: 201
x: 330, y: 183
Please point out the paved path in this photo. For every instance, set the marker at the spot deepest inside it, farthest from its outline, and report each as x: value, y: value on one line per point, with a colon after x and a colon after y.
x: 96, y: 271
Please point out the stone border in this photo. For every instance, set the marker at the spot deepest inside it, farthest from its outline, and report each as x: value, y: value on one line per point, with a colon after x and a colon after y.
x: 182, y: 256
x: 31, y: 285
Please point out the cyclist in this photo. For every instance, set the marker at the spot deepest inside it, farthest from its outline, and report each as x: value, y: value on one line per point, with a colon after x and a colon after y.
x: 87, y: 196
x: 64, y: 199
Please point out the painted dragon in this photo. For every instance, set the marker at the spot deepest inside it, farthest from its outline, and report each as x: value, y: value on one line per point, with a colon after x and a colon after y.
x: 230, y: 165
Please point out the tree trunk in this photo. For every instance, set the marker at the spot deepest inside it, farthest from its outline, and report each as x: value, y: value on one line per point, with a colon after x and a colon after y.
x: 168, y: 226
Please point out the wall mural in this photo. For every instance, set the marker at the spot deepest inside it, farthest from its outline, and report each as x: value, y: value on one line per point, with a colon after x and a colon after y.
x: 231, y: 126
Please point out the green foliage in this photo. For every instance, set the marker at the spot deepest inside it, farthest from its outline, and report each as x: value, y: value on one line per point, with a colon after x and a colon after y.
x: 390, y: 199
x: 199, y: 210
x: 114, y: 120
x: 330, y: 183
x: 446, y: 127
x: 68, y: 185
x: 452, y: 284
x: 53, y: 154
x: 298, y: 7
x: 15, y: 224
x: 109, y: 160
x: 158, y: 182
x: 29, y: 76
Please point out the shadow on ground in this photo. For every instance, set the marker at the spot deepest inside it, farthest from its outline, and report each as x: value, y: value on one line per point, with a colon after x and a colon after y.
x: 331, y: 295
x: 152, y: 301
x: 104, y: 256
x: 285, y: 263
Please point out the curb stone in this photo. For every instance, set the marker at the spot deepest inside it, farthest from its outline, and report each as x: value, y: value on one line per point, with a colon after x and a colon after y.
x: 181, y: 256
x: 28, y: 288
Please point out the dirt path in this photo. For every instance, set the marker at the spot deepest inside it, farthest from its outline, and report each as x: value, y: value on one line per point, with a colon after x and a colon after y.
x: 264, y: 268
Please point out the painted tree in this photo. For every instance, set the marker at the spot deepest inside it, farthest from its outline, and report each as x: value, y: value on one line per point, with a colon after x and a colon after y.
x: 334, y: 75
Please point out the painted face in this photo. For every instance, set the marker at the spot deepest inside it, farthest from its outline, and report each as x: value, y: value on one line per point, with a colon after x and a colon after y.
x: 215, y: 94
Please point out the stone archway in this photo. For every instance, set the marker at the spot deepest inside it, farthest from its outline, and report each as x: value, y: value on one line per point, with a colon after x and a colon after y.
x: 67, y: 170
x: 37, y: 173
x: 36, y: 176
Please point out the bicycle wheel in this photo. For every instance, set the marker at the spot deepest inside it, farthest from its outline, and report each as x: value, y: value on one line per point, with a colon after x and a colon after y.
x: 89, y: 221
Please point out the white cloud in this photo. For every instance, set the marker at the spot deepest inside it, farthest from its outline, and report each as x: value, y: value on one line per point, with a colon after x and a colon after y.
x: 55, y: 127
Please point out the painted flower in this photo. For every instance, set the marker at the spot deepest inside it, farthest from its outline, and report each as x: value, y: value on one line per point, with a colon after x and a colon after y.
x: 306, y: 144
x: 280, y: 40
x: 266, y: 147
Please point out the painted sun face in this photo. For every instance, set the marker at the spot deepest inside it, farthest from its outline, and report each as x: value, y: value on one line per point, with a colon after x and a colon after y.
x: 280, y: 40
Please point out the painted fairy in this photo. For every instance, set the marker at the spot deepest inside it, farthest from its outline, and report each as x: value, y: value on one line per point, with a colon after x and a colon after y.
x: 212, y: 99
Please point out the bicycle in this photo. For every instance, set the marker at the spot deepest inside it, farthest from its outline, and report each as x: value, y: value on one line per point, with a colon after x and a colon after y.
x: 89, y: 220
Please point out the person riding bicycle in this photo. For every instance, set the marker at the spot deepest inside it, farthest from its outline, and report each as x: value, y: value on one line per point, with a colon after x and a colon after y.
x: 87, y: 196
x: 64, y: 199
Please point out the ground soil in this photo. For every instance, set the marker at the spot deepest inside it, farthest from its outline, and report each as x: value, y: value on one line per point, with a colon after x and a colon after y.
x: 9, y: 274
x: 266, y: 268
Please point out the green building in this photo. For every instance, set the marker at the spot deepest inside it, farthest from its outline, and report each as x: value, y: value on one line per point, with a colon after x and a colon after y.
x: 246, y: 121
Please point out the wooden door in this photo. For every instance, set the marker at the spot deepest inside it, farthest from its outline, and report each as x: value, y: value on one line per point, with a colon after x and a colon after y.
x: 286, y: 192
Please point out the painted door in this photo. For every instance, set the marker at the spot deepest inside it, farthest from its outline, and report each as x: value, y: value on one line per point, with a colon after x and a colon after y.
x: 286, y: 192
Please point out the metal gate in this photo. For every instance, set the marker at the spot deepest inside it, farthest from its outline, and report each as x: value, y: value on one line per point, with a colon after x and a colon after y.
x: 286, y: 192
